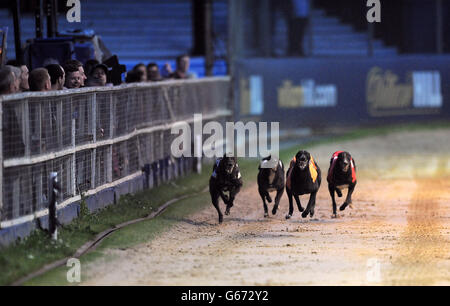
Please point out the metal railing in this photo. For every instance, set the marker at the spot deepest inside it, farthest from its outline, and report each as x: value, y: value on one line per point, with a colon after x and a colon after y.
x: 94, y: 138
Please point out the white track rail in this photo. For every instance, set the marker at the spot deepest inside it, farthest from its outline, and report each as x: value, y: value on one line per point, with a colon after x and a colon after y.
x: 74, y: 149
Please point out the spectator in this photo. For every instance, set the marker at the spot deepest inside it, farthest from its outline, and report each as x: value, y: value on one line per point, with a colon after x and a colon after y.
x: 24, y: 86
x: 57, y: 76
x: 98, y: 76
x: 24, y: 74
x: 134, y: 76
x: 295, y: 13
x: 80, y: 68
x: 12, y: 141
x: 297, y: 26
x: 182, y: 72
x: 141, y: 67
x: 8, y: 84
x: 17, y: 73
x: 40, y: 80
x: 89, y: 65
x: 153, y: 73
x: 73, y: 76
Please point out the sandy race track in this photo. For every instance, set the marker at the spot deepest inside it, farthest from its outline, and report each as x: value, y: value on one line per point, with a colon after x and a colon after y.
x: 398, y: 232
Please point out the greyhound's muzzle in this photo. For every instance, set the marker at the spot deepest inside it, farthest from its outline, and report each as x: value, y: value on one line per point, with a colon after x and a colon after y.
x: 345, y: 166
x: 302, y: 164
x: 229, y: 169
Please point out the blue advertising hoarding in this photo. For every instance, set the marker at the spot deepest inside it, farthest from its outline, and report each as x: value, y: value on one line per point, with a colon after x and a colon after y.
x: 326, y: 91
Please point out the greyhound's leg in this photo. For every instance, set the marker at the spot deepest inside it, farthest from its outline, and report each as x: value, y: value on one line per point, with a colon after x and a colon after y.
x: 228, y: 202
x: 268, y: 197
x: 215, y: 202
x: 299, y: 205
x: 262, y: 193
x: 291, y: 205
x: 311, y: 203
x: 331, y: 189
x: 233, y: 192
x: 348, y: 200
x: 277, y: 200
x: 224, y: 197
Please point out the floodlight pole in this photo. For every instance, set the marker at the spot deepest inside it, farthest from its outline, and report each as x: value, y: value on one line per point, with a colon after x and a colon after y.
x: 17, y: 31
x: 439, y: 26
x: 209, y: 52
x: 235, y: 47
x: 264, y: 28
x: 52, y: 21
x: 38, y: 14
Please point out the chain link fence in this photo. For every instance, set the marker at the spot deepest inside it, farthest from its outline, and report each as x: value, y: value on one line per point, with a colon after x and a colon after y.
x: 95, y: 138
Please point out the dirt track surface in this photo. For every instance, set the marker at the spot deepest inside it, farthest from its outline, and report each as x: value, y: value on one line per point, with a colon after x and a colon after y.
x: 397, y: 233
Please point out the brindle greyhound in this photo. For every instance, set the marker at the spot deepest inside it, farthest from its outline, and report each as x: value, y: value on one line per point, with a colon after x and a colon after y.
x: 271, y: 178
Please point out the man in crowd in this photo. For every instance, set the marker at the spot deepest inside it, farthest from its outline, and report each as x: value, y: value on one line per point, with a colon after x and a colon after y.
x: 17, y: 73
x: 39, y: 80
x: 8, y: 84
x: 24, y: 73
x: 182, y: 72
x: 12, y: 141
x: 73, y: 76
x: 134, y: 76
x: 57, y: 76
x: 98, y: 76
x: 141, y: 67
x: 89, y: 65
x: 153, y: 73
x: 80, y: 68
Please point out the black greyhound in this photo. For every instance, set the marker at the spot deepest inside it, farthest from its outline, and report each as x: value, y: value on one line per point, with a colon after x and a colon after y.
x: 226, y: 177
x: 303, y: 177
x: 271, y: 178
x: 341, y: 175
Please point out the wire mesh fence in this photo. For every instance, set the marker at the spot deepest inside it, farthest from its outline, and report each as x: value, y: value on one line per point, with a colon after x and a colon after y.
x: 94, y: 138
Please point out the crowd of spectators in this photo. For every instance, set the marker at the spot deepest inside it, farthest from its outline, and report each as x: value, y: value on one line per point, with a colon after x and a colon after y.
x: 16, y: 78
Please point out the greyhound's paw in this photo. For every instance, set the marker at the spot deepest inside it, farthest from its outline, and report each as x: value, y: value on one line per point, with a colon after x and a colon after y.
x: 227, y: 211
x: 343, y: 207
x: 220, y: 219
x: 305, y: 214
x: 288, y: 216
x: 274, y: 210
x: 266, y: 215
x: 311, y: 213
x: 269, y: 199
x: 339, y: 193
x: 334, y: 216
x: 230, y: 203
x: 301, y: 209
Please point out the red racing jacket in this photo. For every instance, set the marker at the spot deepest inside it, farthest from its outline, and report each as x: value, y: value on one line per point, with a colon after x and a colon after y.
x: 334, y: 159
